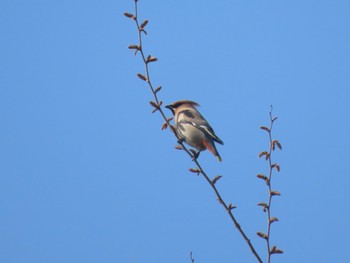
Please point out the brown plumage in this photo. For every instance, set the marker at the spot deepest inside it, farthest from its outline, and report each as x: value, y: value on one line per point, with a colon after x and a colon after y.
x: 193, y: 128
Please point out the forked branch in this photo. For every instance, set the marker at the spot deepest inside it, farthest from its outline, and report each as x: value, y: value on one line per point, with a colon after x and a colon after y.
x: 157, y: 106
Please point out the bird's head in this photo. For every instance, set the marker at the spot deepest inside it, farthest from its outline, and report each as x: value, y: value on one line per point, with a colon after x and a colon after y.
x: 179, y: 103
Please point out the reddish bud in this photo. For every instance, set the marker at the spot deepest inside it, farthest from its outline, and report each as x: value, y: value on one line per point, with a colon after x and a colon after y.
x: 262, y: 235
x: 155, y: 105
x: 144, y: 23
x: 133, y: 47
x: 267, y: 155
x: 272, y: 193
x: 130, y: 15
x: 276, y: 166
x: 263, y: 205
x: 195, y: 170
x: 142, y: 76
x: 263, y: 177
x: 275, y: 143
x: 265, y: 128
x: 273, y: 219
x: 216, y: 179
x: 276, y: 250
x: 151, y: 59
x: 158, y: 89
x: 278, y: 144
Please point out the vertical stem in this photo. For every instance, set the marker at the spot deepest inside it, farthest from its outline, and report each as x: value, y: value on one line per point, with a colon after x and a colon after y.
x: 270, y: 196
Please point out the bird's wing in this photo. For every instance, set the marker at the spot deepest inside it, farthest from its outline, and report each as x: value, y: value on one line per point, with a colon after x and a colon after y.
x: 186, y: 116
x: 209, y: 130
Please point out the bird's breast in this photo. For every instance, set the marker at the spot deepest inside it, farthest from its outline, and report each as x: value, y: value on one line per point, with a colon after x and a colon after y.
x: 192, y: 135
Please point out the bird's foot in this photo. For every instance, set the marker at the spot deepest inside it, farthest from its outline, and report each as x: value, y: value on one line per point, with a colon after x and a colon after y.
x: 180, y: 141
x: 195, y: 155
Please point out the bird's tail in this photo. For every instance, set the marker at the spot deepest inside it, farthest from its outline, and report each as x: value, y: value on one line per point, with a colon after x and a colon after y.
x: 211, y: 147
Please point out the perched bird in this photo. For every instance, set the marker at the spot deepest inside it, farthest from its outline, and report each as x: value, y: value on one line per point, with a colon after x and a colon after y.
x: 192, y: 128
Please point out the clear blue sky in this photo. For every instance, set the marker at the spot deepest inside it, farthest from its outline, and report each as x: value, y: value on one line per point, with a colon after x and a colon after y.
x: 88, y: 176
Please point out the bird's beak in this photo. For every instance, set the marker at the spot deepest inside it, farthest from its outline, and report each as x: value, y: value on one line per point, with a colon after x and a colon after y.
x: 170, y: 107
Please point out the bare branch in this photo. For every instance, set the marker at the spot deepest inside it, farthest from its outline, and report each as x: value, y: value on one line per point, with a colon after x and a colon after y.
x: 272, y: 193
x: 191, y: 256
x: 156, y: 104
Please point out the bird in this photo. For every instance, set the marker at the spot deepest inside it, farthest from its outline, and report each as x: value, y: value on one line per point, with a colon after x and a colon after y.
x: 193, y: 128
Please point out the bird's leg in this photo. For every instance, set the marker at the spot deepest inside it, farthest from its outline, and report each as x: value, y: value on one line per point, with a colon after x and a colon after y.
x: 195, y: 155
x: 180, y: 141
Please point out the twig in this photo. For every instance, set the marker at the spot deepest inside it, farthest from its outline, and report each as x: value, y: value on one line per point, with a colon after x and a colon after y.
x: 191, y: 256
x: 271, y: 193
x: 229, y: 208
x: 157, y: 107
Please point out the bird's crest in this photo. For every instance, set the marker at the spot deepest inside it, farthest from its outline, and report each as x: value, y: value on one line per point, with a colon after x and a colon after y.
x: 182, y: 102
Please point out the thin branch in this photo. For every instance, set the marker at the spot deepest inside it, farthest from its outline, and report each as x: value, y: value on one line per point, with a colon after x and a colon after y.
x: 271, y: 193
x: 270, y: 196
x: 229, y: 208
x: 157, y: 106
x: 191, y: 256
